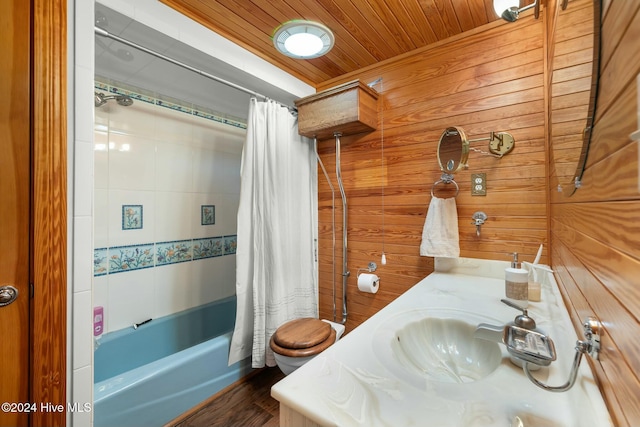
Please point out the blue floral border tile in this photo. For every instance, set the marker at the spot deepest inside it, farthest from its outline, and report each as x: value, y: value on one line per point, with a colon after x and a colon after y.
x: 207, y: 215
x: 208, y: 247
x: 127, y: 258
x: 101, y: 86
x: 100, y: 262
x: 130, y: 94
x: 119, y: 259
x: 173, y: 106
x: 131, y: 217
x: 173, y: 252
x: 230, y: 244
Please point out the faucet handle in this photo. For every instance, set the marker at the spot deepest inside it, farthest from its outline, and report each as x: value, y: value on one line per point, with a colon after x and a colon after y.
x: 523, y: 320
x: 514, y: 305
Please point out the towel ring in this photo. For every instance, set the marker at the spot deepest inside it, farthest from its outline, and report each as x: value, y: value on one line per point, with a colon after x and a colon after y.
x: 445, y: 181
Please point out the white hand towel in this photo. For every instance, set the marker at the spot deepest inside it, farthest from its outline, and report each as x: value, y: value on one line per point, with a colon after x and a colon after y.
x: 440, y: 232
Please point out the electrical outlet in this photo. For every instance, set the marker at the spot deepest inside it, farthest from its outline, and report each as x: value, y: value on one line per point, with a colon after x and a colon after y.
x: 478, y: 184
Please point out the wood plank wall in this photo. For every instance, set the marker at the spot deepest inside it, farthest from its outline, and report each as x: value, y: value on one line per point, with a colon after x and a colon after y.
x: 490, y: 79
x: 595, y: 233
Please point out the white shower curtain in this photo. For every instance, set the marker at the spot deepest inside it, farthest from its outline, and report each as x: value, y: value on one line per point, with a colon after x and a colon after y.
x: 276, y: 269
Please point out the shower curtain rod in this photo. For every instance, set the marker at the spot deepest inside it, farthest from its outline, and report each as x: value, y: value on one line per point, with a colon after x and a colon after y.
x: 104, y: 33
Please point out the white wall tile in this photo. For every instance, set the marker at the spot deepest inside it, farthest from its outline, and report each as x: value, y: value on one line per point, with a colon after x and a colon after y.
x: 83, y: 116
x: 229, y: 213
x: 100, y: 218
x: 133, y: 120
x: 101, y: 160
x: 82, y: 253
x: 216, y: 171
x: 227, y: 170
x: 130, y: 298
x: 82, y: 394
x: 218, y: 136
x: 173, y: 289
x: 213, y: 279
x: 173, y: 216
x: 203, y: 171
x: 80, y: 90
x: 82, y: 329
x: 173, y: 126
x: 131, y: 162
x: 83, y: 179
x: 174, y: 168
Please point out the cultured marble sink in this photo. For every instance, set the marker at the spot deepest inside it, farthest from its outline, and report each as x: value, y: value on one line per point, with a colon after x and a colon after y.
x: 420, y: 346
x: 415, y: 363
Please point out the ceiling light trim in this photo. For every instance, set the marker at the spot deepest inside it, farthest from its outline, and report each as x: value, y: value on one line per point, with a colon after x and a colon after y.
x: 299, y: 27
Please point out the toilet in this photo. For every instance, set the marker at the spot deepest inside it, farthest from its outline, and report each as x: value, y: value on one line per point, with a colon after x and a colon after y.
x: 300, y: 340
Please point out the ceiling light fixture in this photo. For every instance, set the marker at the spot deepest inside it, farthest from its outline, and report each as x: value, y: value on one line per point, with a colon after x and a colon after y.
x: 303, y: 39
x: 509, y: 10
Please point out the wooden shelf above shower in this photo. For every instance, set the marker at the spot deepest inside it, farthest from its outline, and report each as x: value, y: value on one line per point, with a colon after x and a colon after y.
x: 350, y: 108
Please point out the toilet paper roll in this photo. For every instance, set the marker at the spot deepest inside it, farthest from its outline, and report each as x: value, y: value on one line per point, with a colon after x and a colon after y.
x: 368, y: 283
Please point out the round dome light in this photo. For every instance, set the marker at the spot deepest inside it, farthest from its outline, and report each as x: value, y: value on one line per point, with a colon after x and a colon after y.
x: 303, y: 39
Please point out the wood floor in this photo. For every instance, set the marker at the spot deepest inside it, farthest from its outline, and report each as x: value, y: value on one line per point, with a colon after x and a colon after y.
x: 245, y: 404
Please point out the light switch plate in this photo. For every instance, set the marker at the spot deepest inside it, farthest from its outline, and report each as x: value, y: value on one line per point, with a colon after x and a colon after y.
x: 478, y: 184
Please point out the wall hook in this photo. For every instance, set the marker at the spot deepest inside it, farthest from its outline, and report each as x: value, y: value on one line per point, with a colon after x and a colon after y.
x: 479, y: 219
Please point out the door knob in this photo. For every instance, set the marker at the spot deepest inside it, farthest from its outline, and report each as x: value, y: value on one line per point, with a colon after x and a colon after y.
x: 8, y: 294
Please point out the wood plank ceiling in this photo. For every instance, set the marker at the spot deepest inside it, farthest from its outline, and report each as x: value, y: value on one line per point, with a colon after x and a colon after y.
x: 366, y: 31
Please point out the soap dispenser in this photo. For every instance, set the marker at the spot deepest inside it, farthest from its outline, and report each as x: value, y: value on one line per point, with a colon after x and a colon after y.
x: 517, y: 282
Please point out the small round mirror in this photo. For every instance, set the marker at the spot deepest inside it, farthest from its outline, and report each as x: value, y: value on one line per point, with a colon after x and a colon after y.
x: 453, y: 150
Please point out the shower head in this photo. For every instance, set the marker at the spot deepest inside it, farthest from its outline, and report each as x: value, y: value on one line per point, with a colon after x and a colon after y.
x: 100, y: 99
x: 124, y: 100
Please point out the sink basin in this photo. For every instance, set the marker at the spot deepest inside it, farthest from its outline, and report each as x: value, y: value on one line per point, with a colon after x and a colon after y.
x: 422, y: 346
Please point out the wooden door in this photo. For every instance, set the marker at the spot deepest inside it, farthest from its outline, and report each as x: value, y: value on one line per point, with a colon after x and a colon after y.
x: 15, y: 146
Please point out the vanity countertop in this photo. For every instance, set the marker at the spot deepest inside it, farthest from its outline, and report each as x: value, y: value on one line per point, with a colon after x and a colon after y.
x: 353, y: 383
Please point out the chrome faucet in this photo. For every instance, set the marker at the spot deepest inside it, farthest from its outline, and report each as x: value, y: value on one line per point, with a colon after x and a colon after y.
x: 523, y: 341
x: 532, y: 347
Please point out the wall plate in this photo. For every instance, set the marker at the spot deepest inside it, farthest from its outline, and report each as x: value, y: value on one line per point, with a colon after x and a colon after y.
x: 479, y: 184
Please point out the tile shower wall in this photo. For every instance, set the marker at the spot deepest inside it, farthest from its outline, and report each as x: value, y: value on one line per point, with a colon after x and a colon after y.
x: 166, y: 193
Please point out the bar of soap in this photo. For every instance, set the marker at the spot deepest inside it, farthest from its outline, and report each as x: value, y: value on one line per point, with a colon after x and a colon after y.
x: 534, y: 291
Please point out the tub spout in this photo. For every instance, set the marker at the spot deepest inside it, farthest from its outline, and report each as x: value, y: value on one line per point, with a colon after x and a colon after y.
x: 487, y: 332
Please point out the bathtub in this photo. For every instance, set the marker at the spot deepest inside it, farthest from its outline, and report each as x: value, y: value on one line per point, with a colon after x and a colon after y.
x: 150, y: 375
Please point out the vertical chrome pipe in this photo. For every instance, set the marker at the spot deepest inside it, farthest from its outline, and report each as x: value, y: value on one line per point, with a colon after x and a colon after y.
x: 333, y: 227
x: 345, y: 272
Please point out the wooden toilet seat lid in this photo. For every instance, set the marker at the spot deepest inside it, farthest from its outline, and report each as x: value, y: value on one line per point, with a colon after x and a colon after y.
x: 304, y: 352
x: 302, y: 333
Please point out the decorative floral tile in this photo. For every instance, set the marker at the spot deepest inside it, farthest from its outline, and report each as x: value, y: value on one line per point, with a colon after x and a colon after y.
x: 207, y: 214
x: 131, y: 217
x: 100, y: 263
x: 207, y: 247
x: 173, y: 252
x: 134, y: 257
x: 234, y: 123
x: 230, y: 244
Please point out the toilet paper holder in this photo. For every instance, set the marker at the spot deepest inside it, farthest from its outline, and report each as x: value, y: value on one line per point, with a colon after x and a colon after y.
x: 371, y: 268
